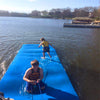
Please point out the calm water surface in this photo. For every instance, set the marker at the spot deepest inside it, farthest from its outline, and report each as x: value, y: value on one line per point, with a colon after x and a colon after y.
x: 77, y: 48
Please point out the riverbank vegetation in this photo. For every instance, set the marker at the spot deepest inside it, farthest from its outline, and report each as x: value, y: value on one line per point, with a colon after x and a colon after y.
x: 93, y: 12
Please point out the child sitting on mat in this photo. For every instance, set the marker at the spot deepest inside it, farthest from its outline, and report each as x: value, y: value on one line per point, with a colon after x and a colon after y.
x: 33, y: 76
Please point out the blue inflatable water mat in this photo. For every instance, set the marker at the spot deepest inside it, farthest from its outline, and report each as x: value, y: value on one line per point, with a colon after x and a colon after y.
x: 58, y: 85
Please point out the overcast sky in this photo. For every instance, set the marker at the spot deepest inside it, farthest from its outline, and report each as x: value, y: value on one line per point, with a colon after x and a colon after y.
x: 27, y: 6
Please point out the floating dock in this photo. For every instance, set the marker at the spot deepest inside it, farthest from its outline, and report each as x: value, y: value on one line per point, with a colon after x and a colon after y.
x: 81, y: 25
x: 58, y: 85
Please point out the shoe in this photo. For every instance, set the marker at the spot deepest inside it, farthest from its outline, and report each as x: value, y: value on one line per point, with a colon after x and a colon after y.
x: 43, y: 57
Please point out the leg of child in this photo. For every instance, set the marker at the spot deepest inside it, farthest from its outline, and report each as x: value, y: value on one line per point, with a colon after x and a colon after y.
x: 43, y: 55
x: 49, y: 54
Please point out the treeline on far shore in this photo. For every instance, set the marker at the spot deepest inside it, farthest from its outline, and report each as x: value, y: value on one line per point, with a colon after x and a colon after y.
x: 58, y: 13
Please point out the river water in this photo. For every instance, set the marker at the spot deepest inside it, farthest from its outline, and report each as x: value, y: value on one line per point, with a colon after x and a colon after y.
x: 77, y: 48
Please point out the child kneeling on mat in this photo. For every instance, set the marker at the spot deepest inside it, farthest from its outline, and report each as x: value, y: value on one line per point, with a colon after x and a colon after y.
x: 33, y: 76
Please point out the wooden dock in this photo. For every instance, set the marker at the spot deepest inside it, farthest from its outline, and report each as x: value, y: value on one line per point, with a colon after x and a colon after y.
x: 81, y: 25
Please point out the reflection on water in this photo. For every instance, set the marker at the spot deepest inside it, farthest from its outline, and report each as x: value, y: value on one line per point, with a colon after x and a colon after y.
x: 77, y: 48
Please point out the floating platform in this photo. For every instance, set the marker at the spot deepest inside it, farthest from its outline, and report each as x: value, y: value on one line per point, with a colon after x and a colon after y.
x: 81, y: 25
x: 58, y: 85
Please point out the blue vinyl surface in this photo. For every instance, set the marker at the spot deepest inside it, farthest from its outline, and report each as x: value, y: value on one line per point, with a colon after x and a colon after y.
x: 58, y: 85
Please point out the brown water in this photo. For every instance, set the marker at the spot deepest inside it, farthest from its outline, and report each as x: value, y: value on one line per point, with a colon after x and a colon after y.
x: 77, y: 48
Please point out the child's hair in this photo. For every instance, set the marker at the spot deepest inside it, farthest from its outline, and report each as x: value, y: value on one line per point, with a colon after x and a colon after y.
x: 34, y: 62
x: 42, y: 39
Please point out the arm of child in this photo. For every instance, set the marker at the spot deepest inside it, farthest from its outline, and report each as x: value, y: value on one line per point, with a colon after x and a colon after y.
x: 40, y: 44
x: 26, y: 77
